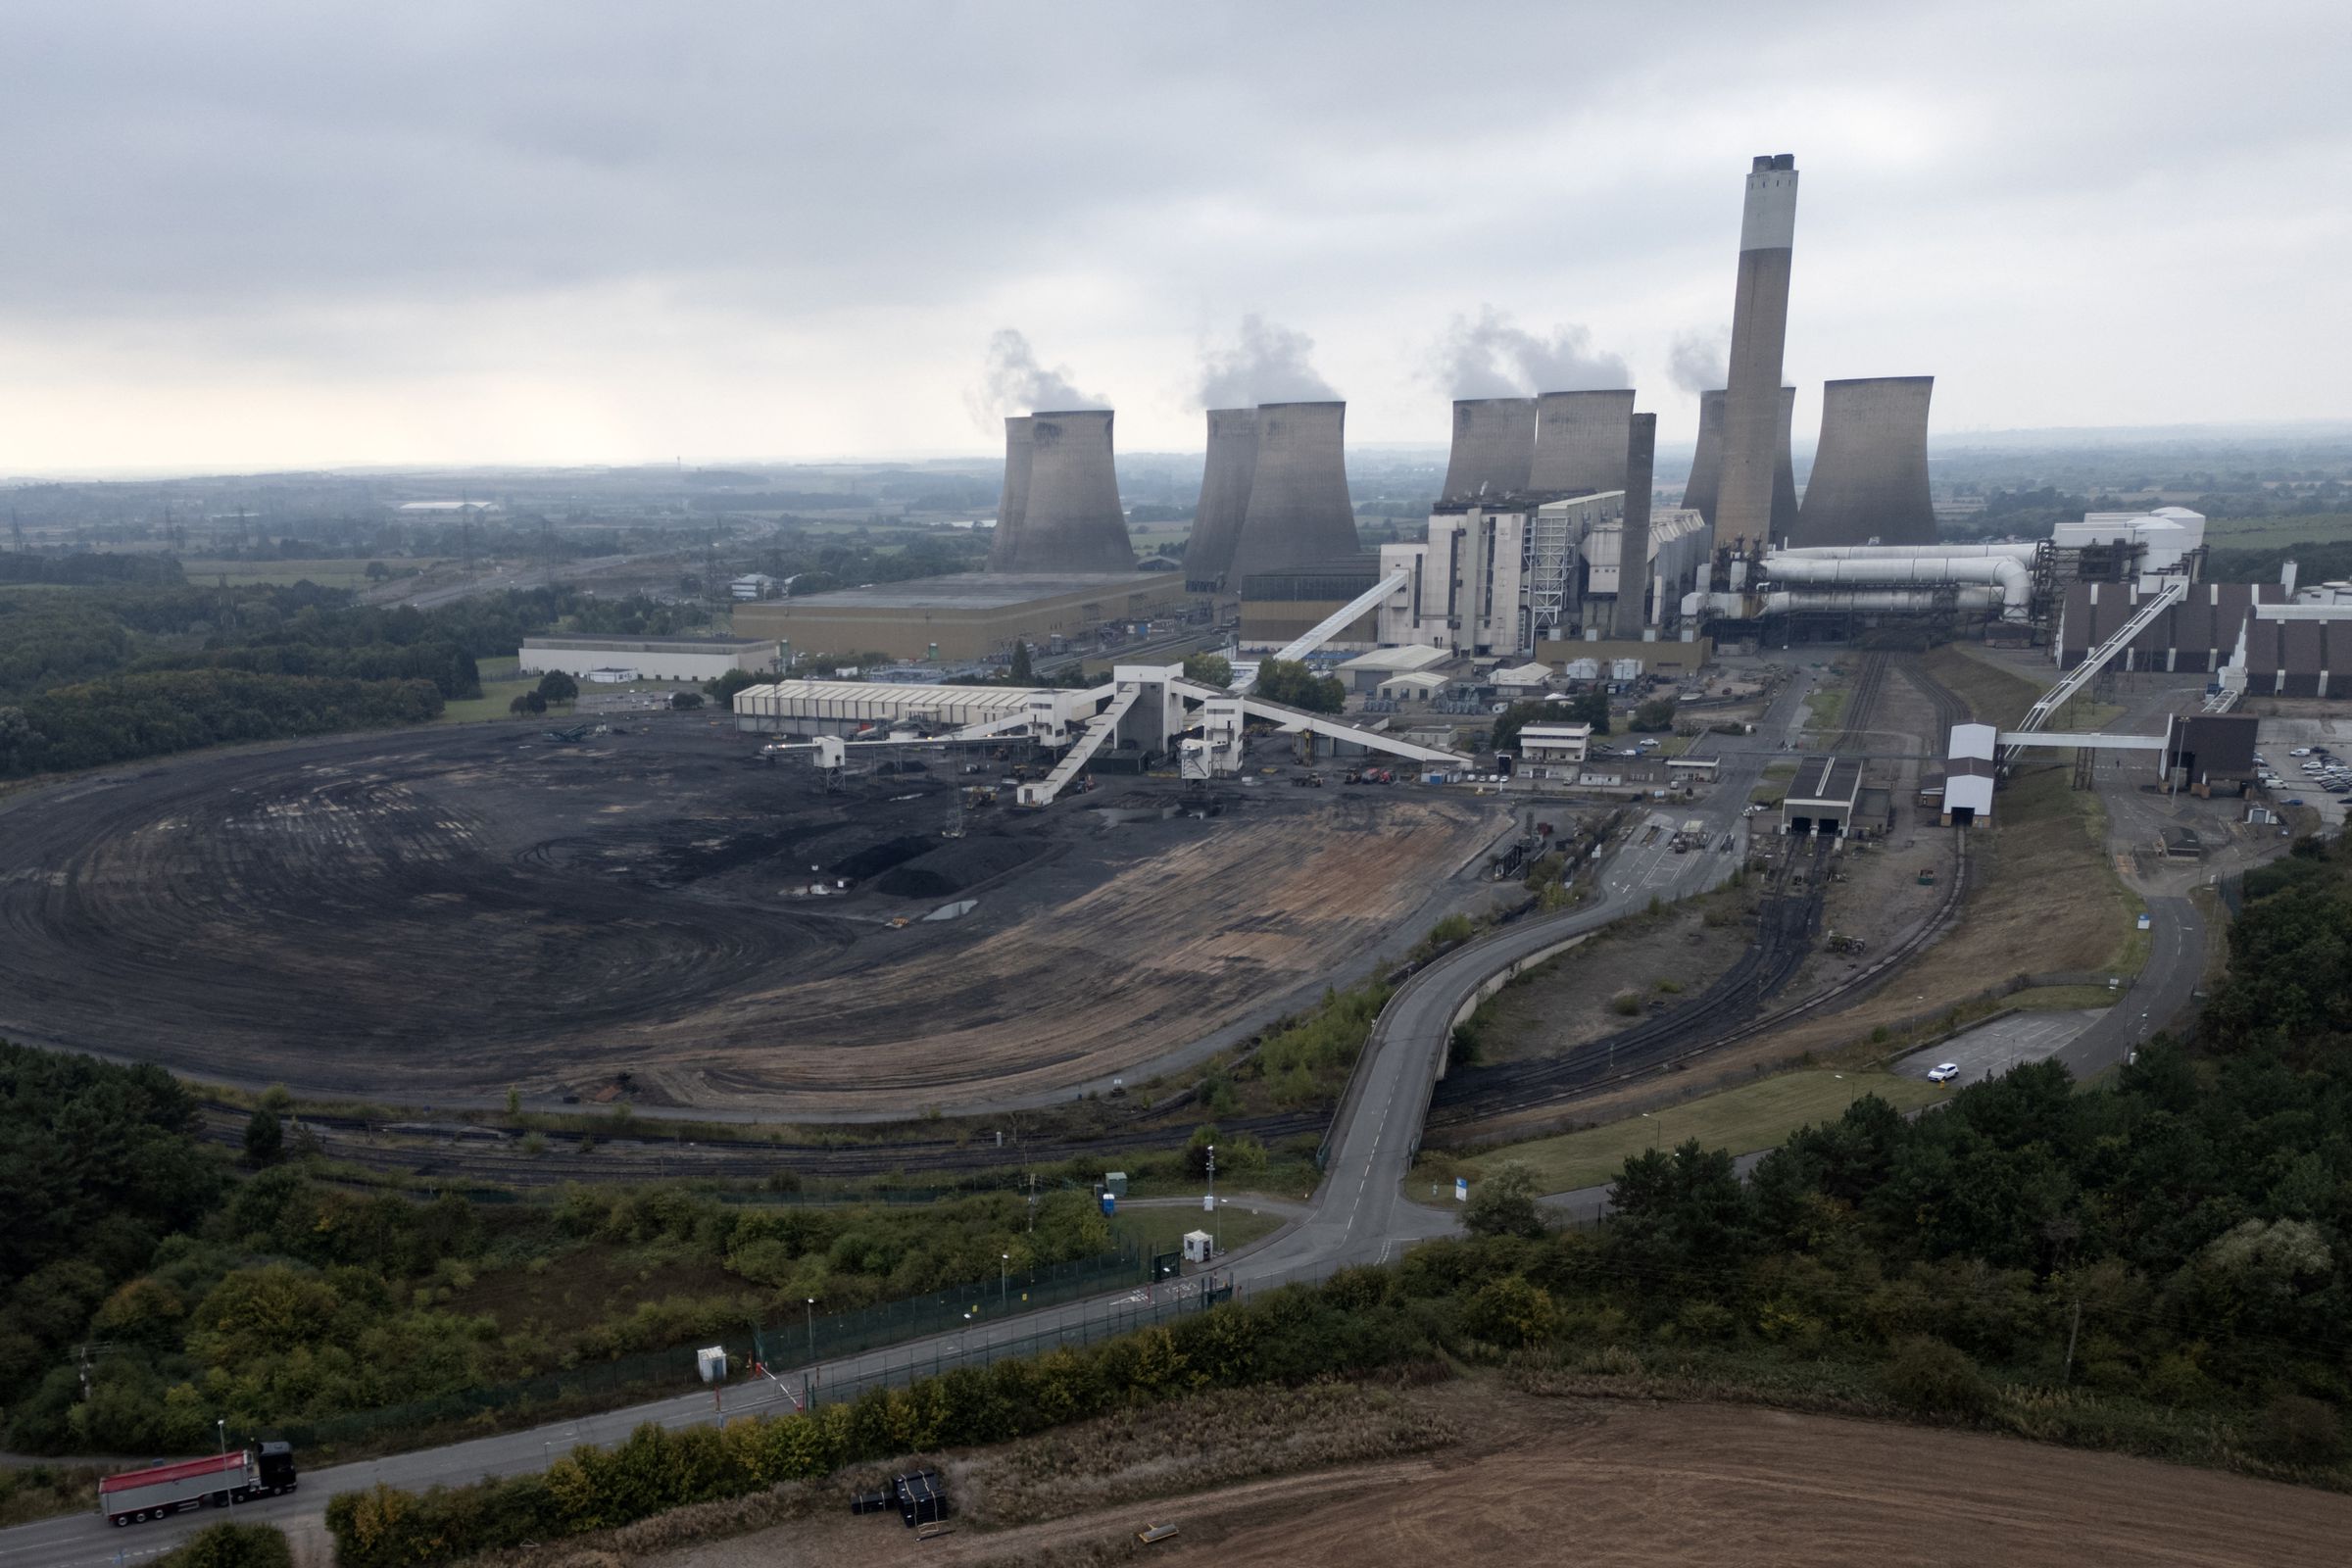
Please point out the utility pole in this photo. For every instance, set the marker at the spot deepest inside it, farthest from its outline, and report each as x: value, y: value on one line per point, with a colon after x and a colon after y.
x: 1216, y: 1214
x: 2072, y: 1329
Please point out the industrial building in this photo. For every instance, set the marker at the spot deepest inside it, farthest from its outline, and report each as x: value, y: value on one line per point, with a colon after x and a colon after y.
x: 1515, y: 575
x: 1366, y: 673
x: 1555, y: 751
x: 612, y: 659
x: 2199, y: 635
x: 967, y: 616
x: 1821, y: 797
x: 1062, y: 494
x: 1869, y: 483
x: 1280, y: 605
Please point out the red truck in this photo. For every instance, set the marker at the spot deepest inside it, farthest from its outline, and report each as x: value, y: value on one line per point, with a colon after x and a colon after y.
x: 137, y: 1496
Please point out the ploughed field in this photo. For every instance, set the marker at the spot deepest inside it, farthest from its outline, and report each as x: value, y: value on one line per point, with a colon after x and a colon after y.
x: 447, y: 913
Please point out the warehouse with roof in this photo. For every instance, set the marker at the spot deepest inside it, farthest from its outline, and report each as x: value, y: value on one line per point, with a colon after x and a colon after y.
x: 967, y: 616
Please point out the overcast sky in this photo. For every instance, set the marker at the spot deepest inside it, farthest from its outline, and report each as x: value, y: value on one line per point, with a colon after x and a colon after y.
x: 236, y: 234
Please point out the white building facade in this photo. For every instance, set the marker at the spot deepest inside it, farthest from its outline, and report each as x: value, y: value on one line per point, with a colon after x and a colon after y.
x: 678, y: 658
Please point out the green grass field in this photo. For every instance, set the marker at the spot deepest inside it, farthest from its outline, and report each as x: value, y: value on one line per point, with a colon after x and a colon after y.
x: 501, y: 686
x: 1827, y: 707
x: 2274, y: 533
x: 279, y: 573
x: 1754, y: 1116
x: 1161, y: 1229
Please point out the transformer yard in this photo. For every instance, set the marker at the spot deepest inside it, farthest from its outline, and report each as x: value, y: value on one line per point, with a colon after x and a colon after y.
x: 437, y: 915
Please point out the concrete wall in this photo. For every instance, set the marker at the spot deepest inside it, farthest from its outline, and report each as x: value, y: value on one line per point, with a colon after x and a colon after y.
x: 1299, y: 514
x: 1581, y: 440
x: 1494, y: 446
x: 1869, y: 474
x: 1013, y: 499
x: 1225, y: 479
x: 1072, y: 519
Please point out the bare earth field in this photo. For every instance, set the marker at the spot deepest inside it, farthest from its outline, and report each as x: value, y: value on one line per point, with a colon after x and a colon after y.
x: 1537, y: 1481
x: 446, y: 912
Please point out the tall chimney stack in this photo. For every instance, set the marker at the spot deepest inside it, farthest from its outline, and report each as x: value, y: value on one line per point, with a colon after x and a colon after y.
x: 1759, y: 335
x: 1632, y: 538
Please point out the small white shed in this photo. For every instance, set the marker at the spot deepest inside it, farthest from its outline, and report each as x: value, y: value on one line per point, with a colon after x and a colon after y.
x: 1198, y: 1246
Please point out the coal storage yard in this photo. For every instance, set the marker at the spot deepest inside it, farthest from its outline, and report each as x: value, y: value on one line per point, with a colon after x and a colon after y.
x: 442, y: 913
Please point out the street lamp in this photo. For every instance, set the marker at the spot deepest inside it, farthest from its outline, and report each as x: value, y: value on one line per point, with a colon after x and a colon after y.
x: 811, y: 1314
x: 1217, y: 1219
x: 221, y: 1426
x: 1005, y: 1281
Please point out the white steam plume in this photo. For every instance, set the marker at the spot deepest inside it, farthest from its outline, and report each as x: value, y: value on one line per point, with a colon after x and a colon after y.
x: 1268, y: 363
x: 1013, y: 382
x: 1695, y: 363
x: 1494, y: 357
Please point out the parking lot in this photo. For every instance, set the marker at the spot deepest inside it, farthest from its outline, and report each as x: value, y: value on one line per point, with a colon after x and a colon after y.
x: 1992, y: 1048
x: 2306, y: 757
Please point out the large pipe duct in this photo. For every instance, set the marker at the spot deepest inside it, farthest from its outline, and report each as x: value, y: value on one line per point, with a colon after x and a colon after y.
x: 2013, y: 578
x: 1751, y: 420
x: 1299, y: 514
x: 1015, y: 499
x: 1858, y: 601
x: 1072, y: 519
x: 1493, y: 447
x: 1869, y: 474
x: 2015, y: 552
x: 1224, y: 497
x: 1704, y: 487
x: 1632, y: 538
x: 1581, y: 440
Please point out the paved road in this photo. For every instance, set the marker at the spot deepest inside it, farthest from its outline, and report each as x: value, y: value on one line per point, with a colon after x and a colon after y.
x: 1992, y: 1048
x: 1358, y: 1215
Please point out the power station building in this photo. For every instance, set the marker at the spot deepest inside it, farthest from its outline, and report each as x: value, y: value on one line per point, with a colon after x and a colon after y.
x: 1869, y: 483
x: 626, y: 659
x: 1059, y: 510
x: 1299, y: 514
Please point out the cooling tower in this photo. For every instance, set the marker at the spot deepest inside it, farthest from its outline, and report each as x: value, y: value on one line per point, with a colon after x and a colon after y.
x: 1299, y: 514
x: 1016, y: 497
x: 1580, y: 440
x: 1633, y: 540
x: 1070, y: 519
x: 1224, y: 497
x: 1702, y: 491
x: 1494, y: 446
x: 1706, y: 463
x: 1869, y: 472
x: 1759, y: 332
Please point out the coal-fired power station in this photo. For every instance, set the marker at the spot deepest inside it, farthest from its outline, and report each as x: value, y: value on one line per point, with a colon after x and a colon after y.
x: 1581, y: 440
x: 1069, y: 518
x: 1224, y: 499
x: 1493, y: 447
x: 1299, y: 514
x: 1751, y: 417
x: 1869, y: 474
x: 1015, y: 499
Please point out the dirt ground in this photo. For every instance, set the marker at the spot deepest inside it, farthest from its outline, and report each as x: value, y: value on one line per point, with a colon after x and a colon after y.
x: 1549, y: 1481
x: 447, y: 913
x: 1566, y: 1001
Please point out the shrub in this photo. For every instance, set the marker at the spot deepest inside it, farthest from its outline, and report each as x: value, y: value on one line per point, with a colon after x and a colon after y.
x: 232, y: 1546
x: 1626, y: 1004
x: 2295, y: 1430
x: 1927, y: 1375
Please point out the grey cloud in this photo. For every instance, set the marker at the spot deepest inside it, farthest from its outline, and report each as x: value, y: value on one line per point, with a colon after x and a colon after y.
x: 1267, y: 363
x: 1493, y: 357
x: 1696, y: 362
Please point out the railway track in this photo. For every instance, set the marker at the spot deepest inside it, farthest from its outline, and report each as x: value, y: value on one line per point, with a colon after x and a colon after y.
x: 1727, y: 1011
x: 498, y: 1160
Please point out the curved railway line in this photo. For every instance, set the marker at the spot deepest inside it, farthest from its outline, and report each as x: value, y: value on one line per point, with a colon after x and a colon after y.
x: 1725, y: 1012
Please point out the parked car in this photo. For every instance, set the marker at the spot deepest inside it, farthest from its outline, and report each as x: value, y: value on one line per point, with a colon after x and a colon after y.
x: 1944, y: 1072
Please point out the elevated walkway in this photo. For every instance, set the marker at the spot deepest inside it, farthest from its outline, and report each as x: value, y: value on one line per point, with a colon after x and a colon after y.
x: 1331, y: 625
x: 2077, y: 678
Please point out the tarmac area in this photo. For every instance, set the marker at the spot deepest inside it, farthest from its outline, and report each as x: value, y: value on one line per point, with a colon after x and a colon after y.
x: 441, y: 913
